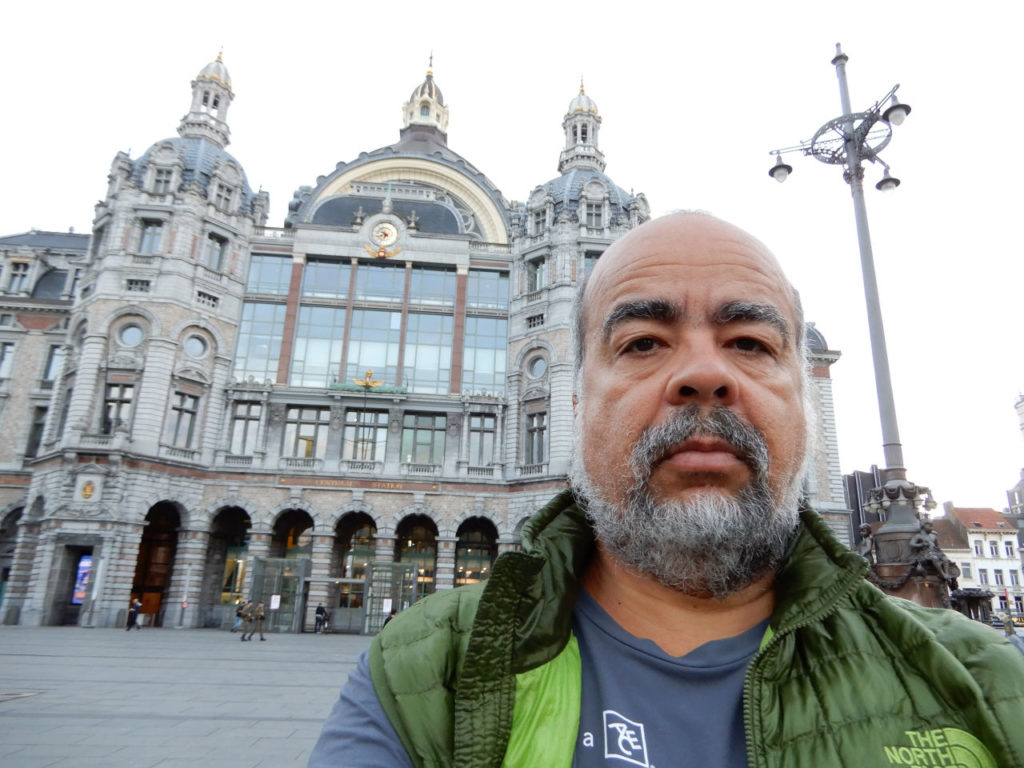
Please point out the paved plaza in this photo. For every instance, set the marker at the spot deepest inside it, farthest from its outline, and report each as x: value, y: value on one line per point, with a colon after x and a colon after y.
x: 165, y: 698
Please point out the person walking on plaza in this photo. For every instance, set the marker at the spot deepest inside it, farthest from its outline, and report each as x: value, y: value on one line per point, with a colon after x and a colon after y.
x: 133, y: 614
x: 240, y: 614
x: 321, y: 618
x: 255, y: 623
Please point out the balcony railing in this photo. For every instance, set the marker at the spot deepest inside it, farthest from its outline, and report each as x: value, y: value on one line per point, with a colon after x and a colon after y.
x: 480, y: 471
x: 409, y: 468
x: 527, y: 470
x: 310, y: 465
x: 361, y: 467
x: 179, y: 453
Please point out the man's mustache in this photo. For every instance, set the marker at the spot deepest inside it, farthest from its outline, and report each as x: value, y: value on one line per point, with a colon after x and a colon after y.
x: 658, y: 442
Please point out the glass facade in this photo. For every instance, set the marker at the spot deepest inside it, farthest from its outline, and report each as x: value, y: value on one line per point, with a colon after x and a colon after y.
x: 428, y: 353
x: 483, y: 356
x: 380, y: 282
x: 269, y: 275
x: 374, y: 340
x: 326, y: 279
x: 487, y: 290
x: 432, y: 286
x: 316, y: 353
x: 305, y: 433
x: 259, y: 341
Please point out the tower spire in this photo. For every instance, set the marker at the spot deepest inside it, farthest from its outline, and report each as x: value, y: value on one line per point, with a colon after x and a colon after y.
x: 211, y: 96
x: 581, y: 125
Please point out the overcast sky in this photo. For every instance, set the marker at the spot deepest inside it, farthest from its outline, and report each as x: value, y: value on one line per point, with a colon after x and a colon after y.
x: 693, y: 100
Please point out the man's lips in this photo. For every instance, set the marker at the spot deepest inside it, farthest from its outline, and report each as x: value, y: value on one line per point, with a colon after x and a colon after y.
x: 710, y: 455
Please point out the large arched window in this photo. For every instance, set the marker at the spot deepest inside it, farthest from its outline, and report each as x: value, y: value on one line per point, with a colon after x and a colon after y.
x: 228, y: 546
x: 355, y: 537
x: 416, y: 543
x: 293, y: 535
x: 475, y: 550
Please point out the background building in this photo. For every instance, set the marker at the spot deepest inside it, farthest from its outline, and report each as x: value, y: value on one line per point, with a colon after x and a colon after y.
x: 357, y: 408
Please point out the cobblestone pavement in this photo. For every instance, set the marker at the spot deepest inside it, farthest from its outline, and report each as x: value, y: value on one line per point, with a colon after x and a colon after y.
x: 165, y: 698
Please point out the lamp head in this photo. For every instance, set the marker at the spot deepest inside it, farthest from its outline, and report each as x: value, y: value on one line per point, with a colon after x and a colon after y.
x: 780, y: 171
x: 896, y: 112
x: 888, y: 183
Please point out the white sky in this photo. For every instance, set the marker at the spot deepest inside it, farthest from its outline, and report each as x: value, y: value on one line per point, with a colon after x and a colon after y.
x: 693, y: 98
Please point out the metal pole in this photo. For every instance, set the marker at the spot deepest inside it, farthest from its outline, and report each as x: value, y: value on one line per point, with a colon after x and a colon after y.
x: 891, y: 446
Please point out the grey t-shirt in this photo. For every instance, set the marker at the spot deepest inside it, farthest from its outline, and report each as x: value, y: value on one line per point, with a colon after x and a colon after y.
x: 639, y: 706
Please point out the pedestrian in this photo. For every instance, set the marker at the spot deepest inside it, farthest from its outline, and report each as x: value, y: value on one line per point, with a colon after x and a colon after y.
x: 681, y: 603
x: 321, y: 617
x: 390, y: 616
x: 133, y: 614
x: 255, y: 622
x: 246, y: 617
x: 239, y: 614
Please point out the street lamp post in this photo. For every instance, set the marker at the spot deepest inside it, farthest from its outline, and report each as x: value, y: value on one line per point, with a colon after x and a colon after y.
x: 849, y: 140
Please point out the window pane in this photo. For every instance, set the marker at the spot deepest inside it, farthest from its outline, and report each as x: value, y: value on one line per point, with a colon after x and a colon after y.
x: 428, y: 353
x: 374, y: 341
x: 316, y: 354
x: 259, y: 341
x: 432, y: 286
x: 269, y: 274
x: 380, y: 282
x: 326, y: 279
x: 487, y: 290
x: 484, y: 353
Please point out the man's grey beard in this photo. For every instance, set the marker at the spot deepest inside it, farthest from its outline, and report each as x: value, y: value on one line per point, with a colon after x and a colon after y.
x: 712, y: 544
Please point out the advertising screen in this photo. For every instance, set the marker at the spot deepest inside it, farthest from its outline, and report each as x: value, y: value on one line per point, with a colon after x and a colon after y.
x: 82, y: 580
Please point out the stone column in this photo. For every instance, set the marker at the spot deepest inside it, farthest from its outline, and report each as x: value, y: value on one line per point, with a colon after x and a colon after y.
x: 186, y: 580
x: 444, y: 568
x: 320, y: 568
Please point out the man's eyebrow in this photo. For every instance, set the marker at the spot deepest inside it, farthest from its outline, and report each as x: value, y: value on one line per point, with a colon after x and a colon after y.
x: 659, y: 310
x: 753, y: 312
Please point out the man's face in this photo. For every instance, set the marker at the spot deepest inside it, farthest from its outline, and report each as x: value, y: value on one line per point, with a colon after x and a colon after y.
x: 691, y: 424
x: 689, y: 311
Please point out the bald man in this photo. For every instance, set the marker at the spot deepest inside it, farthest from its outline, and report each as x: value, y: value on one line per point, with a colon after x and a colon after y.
x: 680, y: 605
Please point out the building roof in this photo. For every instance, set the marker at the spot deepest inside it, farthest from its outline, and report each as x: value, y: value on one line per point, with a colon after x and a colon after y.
x: 950, y: 535
x: 200, y: 158
x: 981, y: 519
x: 63, y: 241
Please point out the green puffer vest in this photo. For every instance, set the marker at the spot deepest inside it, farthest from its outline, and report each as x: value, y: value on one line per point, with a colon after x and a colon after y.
x: 488, y: 675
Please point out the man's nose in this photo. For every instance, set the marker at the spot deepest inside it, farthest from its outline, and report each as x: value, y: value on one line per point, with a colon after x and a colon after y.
x: 702, y: 375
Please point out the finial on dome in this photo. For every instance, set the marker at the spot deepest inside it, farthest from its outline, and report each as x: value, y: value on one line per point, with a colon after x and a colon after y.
x: 220, y: 55
x: 581, y: 83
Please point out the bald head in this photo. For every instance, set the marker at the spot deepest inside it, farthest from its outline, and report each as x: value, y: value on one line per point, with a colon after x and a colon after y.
x: 689, y: 237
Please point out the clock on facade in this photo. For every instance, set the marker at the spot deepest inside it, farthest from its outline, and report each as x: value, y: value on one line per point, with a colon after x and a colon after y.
x: 384, y: 233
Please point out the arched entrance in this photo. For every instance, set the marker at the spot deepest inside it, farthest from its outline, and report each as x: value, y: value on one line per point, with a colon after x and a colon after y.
x: 156, y: 559
x: 416, y: 543
x: 354, y: 550
x: 475, y: 550
x: 225, y: 568
x: 293, y: 535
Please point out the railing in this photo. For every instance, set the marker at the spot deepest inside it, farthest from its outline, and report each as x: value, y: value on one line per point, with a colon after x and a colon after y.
x: 480, y: 471
x: 290, y: 462
x: 97, y: 441
x: 142, y: 258
x: 532, y: 469
x: 421, y: 469
x: 238, y: 461
x: 179, y: 453
x: 361, y: 467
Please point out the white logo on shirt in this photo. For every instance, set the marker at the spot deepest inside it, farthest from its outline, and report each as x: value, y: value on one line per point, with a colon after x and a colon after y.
x: 624, y: 739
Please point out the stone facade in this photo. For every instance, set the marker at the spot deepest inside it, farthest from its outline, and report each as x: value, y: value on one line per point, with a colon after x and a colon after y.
x: 382, y: 386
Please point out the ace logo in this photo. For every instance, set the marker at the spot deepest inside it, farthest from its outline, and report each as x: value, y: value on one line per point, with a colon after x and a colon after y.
x: 624, y: 739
